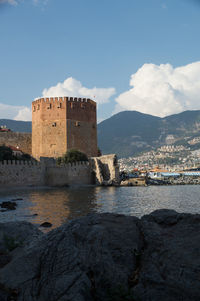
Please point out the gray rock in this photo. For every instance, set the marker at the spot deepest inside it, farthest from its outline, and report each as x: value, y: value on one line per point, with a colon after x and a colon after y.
x: 14, y: 237
x: 17, y: 234
x: 110, y: 257
x: 170, y: 263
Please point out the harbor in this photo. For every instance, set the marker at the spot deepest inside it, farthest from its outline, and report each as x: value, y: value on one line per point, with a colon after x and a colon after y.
x: 160, y: 177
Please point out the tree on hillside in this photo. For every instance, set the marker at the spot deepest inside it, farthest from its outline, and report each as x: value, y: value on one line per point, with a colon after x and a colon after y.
x: 6, y: 153
x: 71, y: 156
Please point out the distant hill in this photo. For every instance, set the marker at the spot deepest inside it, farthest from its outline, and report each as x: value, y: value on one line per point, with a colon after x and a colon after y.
x: 17, y: 126
x: 129, y: 133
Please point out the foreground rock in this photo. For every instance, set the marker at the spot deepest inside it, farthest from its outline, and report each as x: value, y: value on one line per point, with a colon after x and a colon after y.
x: 109, y: 257
x: 8, y: 205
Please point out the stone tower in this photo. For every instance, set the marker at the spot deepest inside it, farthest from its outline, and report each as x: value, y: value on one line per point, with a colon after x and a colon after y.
x: 63, y: 123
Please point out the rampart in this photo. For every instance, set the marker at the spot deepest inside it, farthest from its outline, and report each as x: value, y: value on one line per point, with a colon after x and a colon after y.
x: 33, y: 173
x: 78, y: 173
x: 21, y: 173
x: 21, y: 140
x: 105, y: 170
x: 101, y: 171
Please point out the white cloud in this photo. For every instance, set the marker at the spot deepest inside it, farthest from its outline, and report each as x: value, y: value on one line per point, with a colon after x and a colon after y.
x: 12, y: 2
x: 24, y: 114
x: 72, y: 87
x: 15, y: 112
x: 162, y: 90
x: 15, y: 2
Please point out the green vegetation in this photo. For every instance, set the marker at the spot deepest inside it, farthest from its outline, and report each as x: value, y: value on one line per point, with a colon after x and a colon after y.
x: 6, y: 153
x: 129, y: 133
x: 72, y: 156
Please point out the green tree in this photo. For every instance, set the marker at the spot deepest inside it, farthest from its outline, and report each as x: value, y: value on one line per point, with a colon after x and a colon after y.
x: 6, y: 153
x: 71, y: 156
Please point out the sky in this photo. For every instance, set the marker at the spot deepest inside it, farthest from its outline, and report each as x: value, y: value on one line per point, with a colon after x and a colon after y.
x: 141, y: 55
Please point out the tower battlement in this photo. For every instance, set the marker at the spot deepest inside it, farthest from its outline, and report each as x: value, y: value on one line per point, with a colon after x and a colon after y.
x: 63, y: 99
x: 63, y: 123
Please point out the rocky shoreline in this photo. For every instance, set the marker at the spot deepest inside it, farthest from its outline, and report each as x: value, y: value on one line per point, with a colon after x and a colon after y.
x: 170, y: 181
x: 103, y: 257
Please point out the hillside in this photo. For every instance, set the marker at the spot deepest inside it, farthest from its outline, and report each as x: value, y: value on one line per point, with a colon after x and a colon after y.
x: 129, y: 133
x: 17, y: 126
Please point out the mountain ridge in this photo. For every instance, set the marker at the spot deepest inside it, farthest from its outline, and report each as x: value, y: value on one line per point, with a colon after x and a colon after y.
x: 130, y: 133
x: 135, y: 132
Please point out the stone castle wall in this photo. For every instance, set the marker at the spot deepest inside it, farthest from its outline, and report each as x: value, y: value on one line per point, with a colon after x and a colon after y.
x: 21, y: 173
x: 27, y: 173
x: 78, y: 173
x: 21, y: 140
x: 63, y: 123
x: 106, y: 170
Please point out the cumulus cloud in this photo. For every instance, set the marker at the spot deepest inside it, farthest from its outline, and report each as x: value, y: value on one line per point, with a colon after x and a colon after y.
x: 162, y: 90
x: 15, y: 112
x: 24, y: 114
x: 12, y: 2
x: 72, y: 87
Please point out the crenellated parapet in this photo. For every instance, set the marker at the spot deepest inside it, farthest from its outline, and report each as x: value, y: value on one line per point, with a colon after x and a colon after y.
x: 14, y: 163
x: 62, y: 99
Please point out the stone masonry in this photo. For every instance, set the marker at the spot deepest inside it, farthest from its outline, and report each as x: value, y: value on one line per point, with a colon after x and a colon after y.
x: 19, y: 140
x: 63, y: 123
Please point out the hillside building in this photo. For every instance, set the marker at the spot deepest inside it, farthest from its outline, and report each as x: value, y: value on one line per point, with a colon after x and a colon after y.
x: 63, y: 123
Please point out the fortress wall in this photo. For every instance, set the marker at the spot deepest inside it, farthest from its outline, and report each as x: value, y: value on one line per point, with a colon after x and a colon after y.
x: 26, y: 173
x: 63, y: 123
x: 81, y: 110
x: 21, y: 173
x: 75, y: 174
x: 22, y: 140
x: 106, y: 169
x: 82, y: 136
x: 49, y: 127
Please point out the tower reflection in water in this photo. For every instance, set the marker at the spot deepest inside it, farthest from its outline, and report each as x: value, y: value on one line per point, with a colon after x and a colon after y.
x: 60, y: 205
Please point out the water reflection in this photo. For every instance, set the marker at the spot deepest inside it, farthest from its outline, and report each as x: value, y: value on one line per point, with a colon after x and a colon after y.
x: 59, y: 205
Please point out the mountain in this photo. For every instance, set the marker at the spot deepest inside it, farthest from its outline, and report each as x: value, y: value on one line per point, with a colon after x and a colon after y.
x: 129, y: 133
x: 17, y: 126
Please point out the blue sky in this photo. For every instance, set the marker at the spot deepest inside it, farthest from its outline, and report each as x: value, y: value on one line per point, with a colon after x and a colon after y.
x: 129, y: 54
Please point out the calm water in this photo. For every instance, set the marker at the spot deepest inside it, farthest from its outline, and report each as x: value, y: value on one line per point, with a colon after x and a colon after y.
x: 59, y: 205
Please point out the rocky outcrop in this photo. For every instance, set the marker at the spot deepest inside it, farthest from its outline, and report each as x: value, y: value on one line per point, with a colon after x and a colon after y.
x: 109, y: 257
x: 106, y: 170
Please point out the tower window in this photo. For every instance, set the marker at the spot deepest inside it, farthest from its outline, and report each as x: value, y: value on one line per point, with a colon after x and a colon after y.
x: 54, y: 124
x: 77, y: 123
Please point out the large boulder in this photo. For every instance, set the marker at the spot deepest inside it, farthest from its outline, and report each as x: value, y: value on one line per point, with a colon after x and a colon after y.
x: 170, y: 265
x: 109, y: 257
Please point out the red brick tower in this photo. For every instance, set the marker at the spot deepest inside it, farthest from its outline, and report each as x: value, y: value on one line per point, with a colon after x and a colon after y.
x: 63, y: 123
